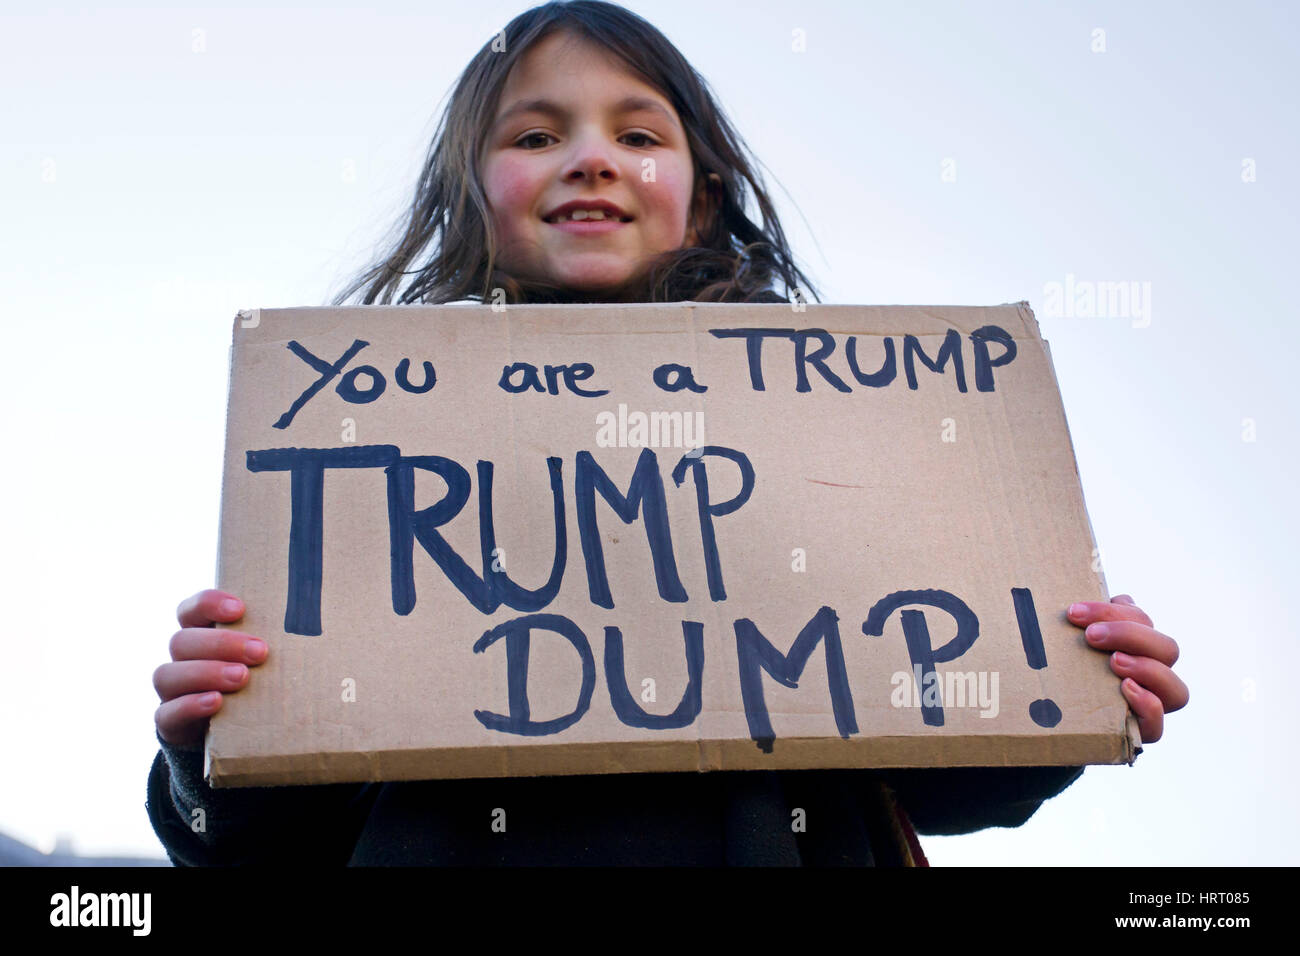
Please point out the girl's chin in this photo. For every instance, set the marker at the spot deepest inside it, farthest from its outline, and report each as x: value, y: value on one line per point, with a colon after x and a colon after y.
x: 599, y: 285
x: 597, y: 278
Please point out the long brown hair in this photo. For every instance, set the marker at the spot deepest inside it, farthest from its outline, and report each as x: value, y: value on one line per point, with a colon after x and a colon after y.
x: 446, y: 253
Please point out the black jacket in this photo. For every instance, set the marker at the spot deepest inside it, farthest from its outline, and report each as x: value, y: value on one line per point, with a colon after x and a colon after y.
x: 720, y: 818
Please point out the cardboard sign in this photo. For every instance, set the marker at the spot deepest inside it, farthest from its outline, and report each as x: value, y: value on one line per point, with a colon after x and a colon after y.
x: 532, y: 540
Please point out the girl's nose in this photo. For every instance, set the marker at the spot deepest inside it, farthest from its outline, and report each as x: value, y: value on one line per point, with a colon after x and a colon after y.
x: 591, y: 158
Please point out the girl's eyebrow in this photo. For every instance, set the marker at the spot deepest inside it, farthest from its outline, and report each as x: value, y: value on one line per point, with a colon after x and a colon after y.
x: 629, y: 104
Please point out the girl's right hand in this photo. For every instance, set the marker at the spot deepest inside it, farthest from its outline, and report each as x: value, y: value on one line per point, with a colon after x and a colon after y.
x: 206, y: 663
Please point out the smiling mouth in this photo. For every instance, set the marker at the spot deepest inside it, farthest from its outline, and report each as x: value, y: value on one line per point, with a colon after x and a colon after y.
x: 587, y: 227
x: 582, y: 215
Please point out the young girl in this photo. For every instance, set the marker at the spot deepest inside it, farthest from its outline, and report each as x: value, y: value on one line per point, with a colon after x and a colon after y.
x: 581, y: 158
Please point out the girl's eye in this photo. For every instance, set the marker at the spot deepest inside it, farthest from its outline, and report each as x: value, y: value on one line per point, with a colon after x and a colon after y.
x: 646, y: 138
x: 649, y: 140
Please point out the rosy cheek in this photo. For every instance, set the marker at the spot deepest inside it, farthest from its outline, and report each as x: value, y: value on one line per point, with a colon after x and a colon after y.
x: 513, y: 189
x: 668, y: 197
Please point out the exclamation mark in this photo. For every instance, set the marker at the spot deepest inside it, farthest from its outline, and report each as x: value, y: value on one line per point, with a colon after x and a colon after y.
x: 1044, y: 712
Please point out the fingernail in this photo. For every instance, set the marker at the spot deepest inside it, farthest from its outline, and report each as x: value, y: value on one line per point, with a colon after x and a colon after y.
x: 234, y: 672
x: 1122, y: 659
x: 255, y: 648
x: 229, y: 606
x: 1078, y: 609
x: 1096, y: 632
x: 208, y: 701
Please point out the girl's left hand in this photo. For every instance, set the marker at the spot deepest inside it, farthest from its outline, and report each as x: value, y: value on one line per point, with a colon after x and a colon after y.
x: 1140, y: 654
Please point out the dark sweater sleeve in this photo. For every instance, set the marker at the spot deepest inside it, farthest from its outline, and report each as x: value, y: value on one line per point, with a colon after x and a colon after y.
x: 200, y: 826
x: 949, y: 800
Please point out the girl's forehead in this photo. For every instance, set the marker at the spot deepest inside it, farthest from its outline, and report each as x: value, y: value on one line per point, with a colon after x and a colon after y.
x: 563, y: 46
x: 569, y: 61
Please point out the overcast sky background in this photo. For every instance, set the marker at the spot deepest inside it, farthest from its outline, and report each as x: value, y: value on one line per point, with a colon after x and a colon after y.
x: 155, y: 179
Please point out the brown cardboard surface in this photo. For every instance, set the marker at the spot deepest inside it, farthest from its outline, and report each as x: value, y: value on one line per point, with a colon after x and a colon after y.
x: 874, y: 507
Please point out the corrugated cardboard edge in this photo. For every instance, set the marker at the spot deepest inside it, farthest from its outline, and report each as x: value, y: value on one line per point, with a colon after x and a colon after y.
x: 789, y: 753
x: 1133, y: 745
x: 1031, y: 322
x: 230, y: 391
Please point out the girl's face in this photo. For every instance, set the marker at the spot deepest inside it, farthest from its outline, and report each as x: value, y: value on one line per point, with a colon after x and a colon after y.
x: 575, y: 126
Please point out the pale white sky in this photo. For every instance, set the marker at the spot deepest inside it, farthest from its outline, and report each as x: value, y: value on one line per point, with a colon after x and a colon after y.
x: 155, y: 180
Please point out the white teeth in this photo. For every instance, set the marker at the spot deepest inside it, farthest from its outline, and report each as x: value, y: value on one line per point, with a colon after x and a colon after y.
x: 578, y: 215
